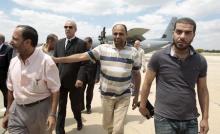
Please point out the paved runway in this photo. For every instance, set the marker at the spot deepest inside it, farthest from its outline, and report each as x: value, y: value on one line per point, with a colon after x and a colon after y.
x: 135, y: 123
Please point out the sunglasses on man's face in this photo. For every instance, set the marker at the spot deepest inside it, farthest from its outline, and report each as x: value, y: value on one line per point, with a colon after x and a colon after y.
x: 70, y: 27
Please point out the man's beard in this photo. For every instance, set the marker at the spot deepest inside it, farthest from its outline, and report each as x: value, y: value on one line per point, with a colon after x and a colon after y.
x: 182, y: 45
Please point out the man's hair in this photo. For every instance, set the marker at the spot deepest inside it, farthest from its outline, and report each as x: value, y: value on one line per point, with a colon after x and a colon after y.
x: 2, y: 38
x: 29, y: 32
x: 137, y: 41
x: 121, y: 25
x: 88, y: 39
x: 73, y: 23
x: 51, y: 37
x: 186, y: 20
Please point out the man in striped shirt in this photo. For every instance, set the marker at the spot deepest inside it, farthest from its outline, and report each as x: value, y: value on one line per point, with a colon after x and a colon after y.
x: 118, y: 62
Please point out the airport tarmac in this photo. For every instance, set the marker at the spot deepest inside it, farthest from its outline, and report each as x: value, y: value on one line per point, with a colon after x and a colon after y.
x: 135, y: 123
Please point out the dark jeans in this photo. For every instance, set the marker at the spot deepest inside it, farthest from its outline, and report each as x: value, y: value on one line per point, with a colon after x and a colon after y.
x: 170, y: 126
x: 75, y: 100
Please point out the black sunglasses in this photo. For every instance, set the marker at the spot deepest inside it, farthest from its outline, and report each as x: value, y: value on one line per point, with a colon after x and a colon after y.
x: 70, y: 27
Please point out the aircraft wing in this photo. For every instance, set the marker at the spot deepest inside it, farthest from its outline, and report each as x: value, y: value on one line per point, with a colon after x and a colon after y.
x: 136, y: 33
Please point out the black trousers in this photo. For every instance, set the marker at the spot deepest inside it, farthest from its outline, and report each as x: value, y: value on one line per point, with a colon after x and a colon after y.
x: 75, y: 96
x: 89, y: 87
x: 4, y: 91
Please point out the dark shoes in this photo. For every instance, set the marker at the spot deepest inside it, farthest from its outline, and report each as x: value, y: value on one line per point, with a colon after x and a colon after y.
x: 79, y: 126
x: 88, y: 111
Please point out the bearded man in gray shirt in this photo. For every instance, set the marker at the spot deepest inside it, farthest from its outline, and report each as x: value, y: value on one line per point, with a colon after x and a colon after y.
x: 177, y: 69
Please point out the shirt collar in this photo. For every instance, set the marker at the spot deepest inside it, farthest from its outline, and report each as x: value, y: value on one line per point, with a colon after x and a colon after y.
x: 113, y: 45
x: 31, y: 58
x: 170, y: 50
x: 70, y: 38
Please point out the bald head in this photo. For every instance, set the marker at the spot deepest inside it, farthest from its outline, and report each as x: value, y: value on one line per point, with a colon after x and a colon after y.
x: 137, y: 44
x: 119, y: 33
x: 120, y: 25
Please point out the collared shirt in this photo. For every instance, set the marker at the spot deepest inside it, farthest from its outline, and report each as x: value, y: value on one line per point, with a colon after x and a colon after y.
x: 141, y: 57
x: 116, y: 67
x: 172, y: 52
x: 175, y: 83
x: 43, y: 47
x: 34, y: 80
x: 69, y: 40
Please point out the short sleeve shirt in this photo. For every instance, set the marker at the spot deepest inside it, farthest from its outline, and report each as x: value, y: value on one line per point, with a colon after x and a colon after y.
x: 116, y: 67
x: 34, y: 80
x: 175, y: 83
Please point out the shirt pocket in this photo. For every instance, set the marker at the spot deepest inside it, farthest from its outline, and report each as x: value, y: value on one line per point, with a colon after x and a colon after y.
x: 39, y: 86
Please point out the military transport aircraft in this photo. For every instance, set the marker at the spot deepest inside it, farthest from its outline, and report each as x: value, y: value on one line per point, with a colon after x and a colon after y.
x: 137, y: 34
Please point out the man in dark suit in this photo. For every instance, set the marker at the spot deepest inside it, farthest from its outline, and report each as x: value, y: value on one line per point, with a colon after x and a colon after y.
x: 5, y: 57
x: 92, y: 77
x: 71, y: 76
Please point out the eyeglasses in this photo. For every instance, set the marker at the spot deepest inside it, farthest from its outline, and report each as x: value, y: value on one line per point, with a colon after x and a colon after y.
x: 70, y: 27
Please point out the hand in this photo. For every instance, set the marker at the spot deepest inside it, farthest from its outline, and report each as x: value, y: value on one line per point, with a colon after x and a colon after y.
x: 5, y: 121
x: 97, y: 81
x: 51, y: 123
x: 135, y: 102
x: 204, y: 126
x: 78, y: 84
x: 144, y: 111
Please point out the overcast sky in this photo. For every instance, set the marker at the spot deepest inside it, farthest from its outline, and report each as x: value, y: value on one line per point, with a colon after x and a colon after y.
x: 49, y: 16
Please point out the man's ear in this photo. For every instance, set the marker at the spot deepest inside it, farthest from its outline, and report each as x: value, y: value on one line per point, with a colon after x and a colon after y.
x: 28, y: 41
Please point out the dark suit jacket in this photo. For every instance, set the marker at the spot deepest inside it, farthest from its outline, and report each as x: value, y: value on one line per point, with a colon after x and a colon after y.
x: 92, y: 71
x: 70, y: 72
x: 5, y: 57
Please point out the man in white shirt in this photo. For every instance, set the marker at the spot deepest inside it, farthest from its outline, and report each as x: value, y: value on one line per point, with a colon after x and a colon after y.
x: 137, y: 45
x: 33, y: 86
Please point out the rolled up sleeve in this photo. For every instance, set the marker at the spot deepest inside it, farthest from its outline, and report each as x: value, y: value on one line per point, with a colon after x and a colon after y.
x: 52, y: 77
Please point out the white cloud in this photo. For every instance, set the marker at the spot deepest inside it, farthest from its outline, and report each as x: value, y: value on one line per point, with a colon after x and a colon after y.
x: 156, y: 23
x: 88, y: 7
x: 50, y: 22
x: 3, y: 15
x: 191, y: 8
x: 6, y: 25
x: 207, y: 35
x: 44, y: 23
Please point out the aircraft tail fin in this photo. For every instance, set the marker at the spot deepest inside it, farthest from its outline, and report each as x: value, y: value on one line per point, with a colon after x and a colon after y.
x: 167, y: 36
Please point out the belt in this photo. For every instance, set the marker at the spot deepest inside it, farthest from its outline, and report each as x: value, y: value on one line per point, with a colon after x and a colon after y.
x: 114, y: 94
x: 33, y: 103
